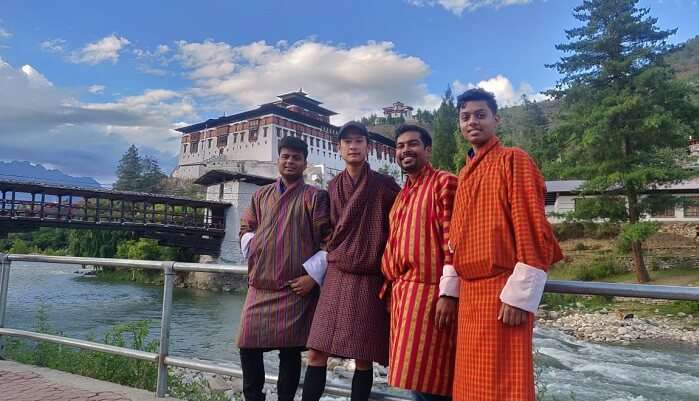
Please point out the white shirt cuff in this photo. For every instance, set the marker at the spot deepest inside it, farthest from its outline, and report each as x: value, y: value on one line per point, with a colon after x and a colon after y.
x: 449, y: 282
x: 524, y: 287
x: 245, y: 243
x: 316, y: 266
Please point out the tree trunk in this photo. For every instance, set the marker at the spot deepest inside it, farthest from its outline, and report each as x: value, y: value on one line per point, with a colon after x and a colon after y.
x: 638, y: 262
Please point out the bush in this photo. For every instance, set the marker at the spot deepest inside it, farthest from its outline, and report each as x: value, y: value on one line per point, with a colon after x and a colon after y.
x: 577, y: 230
x: 598, y: 268
x: 569, y: 230
x: 640, y: 231
x: 605, y: 230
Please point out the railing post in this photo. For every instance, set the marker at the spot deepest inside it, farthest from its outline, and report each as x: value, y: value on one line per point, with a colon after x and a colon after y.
x: 4, y: 285
x: 168, y: 285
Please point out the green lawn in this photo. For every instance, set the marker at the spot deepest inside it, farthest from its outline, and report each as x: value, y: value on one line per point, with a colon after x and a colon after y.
x: 676, y: 276
x: 682, y: 276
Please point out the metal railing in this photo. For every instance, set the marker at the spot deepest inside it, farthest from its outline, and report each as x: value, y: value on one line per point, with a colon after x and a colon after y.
x: 169, y: 269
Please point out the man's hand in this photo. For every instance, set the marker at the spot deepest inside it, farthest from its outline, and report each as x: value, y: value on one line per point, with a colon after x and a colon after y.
x: 445, y: 313
x: 387, y: 300
x: 303, y: 285
x: 511, y: 315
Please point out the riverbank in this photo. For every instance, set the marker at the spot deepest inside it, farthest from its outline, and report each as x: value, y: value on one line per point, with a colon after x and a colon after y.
x: 623, y: 326
x: 215, y: 282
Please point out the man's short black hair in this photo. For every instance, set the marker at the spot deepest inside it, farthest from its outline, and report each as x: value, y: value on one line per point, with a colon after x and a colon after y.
x: 477, y: 94
x: 424, y: 135
x: 293, y: 143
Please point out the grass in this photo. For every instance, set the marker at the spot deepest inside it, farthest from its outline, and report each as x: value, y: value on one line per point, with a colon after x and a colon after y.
x: 607, y: 267
x: 593, y: 269
x: 676, y: 276
x: 107, y: 367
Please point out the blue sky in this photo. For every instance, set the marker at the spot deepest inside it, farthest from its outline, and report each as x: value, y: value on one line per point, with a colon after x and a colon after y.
x: 82, y: 80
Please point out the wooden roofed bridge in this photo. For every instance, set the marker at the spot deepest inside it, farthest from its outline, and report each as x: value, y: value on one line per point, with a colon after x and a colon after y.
x: 177, y: 221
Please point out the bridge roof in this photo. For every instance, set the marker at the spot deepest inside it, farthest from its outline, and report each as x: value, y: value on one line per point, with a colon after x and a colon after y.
x: 64, y: 190
x: 219, y: 176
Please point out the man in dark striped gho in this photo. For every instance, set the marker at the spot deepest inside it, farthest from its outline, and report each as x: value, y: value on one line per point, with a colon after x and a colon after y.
x: 281, y: 235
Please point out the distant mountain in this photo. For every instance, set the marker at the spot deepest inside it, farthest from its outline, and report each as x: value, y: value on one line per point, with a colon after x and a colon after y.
x: 26, y: 171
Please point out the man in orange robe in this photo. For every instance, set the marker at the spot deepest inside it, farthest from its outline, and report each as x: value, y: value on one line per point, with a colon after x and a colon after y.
x: 422, y: 284
x: 503, y: 246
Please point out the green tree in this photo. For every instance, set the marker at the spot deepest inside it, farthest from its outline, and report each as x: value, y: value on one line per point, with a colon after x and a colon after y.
x: 20, y: 246
x: 129, y: 171
x: 95, y: 243
x: 462, y: 148
x: 369, y: 121
x: 624, y: 122
x: 152, y: 176
x: 443, y: 141
x: 525, y: 126
x: 425, y: 117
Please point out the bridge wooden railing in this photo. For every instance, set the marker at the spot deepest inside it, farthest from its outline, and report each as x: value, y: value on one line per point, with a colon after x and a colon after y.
x: 175, y: 221
x: 20, y: 200
x: 109, y: 211
x: 163, y: 359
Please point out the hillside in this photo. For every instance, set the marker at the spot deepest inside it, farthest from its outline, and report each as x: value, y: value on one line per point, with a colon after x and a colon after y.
x: 685, y: 60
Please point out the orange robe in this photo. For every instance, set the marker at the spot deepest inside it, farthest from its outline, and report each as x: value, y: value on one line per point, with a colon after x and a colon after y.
x: 498, y: 221
x: 421, y: 357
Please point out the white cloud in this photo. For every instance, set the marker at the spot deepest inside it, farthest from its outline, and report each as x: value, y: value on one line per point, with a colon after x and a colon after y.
x: 160, y: 50
x: 53, y: 45
x: 459, y: 6
x: 207, y: 59
x: 151, y: 62
x: 45, y: 124
x: 354, y: 81
x: 105, y: 49
x: 158, y: 72
x: 503, y: 89
x: 96, y: 89
x: 4, y: 34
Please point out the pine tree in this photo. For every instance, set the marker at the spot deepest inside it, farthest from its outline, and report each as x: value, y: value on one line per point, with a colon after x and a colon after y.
x: 445, y: 124
x: 152, y: 175
x: 129, y: 171
x: 625, y: 122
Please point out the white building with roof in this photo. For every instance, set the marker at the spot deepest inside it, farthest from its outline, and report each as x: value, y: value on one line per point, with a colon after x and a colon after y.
x: 561, y: 198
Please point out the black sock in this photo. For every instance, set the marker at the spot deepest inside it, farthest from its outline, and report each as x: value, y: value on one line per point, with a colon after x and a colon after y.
x: 253, y: 368
x: 361, y: 384
x: 289, y: 373
x: 314, y: 383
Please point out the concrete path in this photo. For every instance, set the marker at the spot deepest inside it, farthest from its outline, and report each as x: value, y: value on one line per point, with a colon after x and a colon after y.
x: 30, y: 383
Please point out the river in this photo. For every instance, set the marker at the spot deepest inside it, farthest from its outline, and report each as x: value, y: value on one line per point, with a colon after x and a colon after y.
x: 204, y: 325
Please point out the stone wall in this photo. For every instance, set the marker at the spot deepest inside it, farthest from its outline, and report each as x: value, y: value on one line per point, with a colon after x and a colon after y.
x: 688, y: 230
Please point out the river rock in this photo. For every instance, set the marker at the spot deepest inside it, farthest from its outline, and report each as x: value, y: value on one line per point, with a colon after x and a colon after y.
x: 613, y: 328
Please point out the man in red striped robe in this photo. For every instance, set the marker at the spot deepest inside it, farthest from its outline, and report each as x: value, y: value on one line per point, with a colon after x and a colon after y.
x: 281, y: 232
x: 351, y: 321
x: 421, y: 283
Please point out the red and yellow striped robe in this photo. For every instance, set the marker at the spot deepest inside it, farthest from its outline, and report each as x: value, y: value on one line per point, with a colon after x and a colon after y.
x: 499, y: 221
x: 421, y: 357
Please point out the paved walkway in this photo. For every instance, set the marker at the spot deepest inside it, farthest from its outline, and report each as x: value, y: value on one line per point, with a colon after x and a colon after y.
x: 29, y: 383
